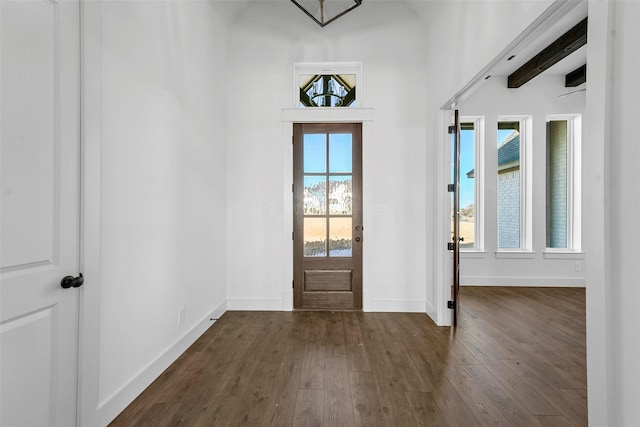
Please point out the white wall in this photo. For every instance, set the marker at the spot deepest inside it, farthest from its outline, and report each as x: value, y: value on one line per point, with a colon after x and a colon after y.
x: 264, y: 44
x: 462, y: 37
x: 163, y: 188
x: 623, y: 325
x: 194, y: 166
x: 538, y: 99
x: 410, y: 67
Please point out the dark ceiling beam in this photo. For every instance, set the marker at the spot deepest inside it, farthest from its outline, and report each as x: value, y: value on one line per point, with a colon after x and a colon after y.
x: 564, y: 46
x: 576, y: 77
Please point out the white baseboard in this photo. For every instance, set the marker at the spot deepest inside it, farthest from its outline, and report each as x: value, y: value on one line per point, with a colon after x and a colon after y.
x: 431, y: 311
x: 218, y: 311
x: 255, y: 304
x: 545, y: 282
x: 399, y: 306
x: 367, y: 301
x: 287, y: 300
x: 370, y: 304
x: 110, y: 407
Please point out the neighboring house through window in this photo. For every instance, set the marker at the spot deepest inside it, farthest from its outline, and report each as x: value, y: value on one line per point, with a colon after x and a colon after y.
x: 513, y: 186
x: 563, y: 183
x: 509, y: 186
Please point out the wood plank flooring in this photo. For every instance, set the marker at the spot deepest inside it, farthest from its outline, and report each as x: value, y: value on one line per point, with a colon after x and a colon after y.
x: 517, y: 358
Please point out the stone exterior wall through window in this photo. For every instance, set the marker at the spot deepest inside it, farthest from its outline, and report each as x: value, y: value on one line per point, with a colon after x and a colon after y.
x: 509, y: 209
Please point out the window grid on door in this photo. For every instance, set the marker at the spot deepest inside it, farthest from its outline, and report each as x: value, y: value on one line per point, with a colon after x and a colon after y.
x: 328, y: 190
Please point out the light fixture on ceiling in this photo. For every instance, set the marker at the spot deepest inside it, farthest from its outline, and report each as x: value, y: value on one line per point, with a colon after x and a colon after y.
x: 572, y: 92
x: 327, y: 90
x: 325, y: 11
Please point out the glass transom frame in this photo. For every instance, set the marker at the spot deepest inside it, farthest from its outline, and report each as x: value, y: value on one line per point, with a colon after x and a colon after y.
x: 328, y: 194
x: 349, y: 72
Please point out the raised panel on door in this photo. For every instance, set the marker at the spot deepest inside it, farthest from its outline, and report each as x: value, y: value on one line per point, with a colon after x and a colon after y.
x: 328, y: 228
x: 40, y: 147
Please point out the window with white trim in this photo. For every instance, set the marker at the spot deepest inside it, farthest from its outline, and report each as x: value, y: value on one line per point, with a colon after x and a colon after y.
x: 563, y: 169
x: 471, y: 183
x: 513, y: 183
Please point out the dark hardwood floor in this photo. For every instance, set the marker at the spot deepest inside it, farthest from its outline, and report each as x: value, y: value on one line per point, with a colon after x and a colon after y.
x: 517, y: 358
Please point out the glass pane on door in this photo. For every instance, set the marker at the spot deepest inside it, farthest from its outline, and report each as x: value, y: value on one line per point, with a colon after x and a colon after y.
x: 315, y: 237
x: 315, y: 153
x: 328, y: 195
x: 340, y: 194
x: 340, y: 153
x: 315, y: 195
x: 340, y: 240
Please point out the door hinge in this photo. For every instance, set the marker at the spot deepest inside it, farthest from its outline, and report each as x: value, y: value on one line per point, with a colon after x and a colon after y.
x: 451, y: 305
x: 452, y: 129
x: 292, y: 238
x: 293, y: 284
x: 451, y: 188
x: 451, y: 246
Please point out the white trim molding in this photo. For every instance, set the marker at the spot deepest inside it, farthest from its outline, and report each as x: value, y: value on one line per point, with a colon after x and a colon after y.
x: 400, y: 306
x: 110, y: 407
x: 526, y: 178
x: 574, y: 180
x: 468, y: 254
x: 479, y: 177
x: 320, y: 115
x: 551, y: 254
x: 547, y: 282
x: 327, y: 115
x: 507, y: 254
x: 255, y: 304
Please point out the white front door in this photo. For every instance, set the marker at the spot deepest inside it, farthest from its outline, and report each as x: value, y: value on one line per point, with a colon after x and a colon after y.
x: 40, y: 180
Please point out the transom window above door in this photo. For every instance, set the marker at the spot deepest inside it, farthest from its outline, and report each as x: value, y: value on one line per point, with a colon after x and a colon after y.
x: 328, y: 90
x: 327, y: 85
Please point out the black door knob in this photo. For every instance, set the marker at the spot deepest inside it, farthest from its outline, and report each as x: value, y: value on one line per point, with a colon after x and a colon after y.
x: 72, y: 282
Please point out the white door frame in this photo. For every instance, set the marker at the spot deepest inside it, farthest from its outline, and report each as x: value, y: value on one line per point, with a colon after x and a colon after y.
x: 539, y: 26
x: 321, y: 115
x: 597, y: 126
x: 90, y: 141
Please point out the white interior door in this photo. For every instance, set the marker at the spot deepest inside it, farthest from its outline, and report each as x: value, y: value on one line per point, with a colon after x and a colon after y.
x: 39, y: 100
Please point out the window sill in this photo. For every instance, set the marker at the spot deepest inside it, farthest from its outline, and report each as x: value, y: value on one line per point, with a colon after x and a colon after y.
x: 473, y: 254
x: 515, y: 254
x: 563, y: 255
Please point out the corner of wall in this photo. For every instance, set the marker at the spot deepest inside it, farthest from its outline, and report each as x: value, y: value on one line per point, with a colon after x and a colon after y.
x: 118, y: 401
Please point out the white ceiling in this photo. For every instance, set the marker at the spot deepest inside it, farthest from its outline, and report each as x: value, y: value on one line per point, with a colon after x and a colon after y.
x: 235, y: 8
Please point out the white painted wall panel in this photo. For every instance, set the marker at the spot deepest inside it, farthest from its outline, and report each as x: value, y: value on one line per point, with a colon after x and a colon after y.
x: 415, y: 55
x: 623, y: 208
x: 262, y: 53
x: 163, y: 186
